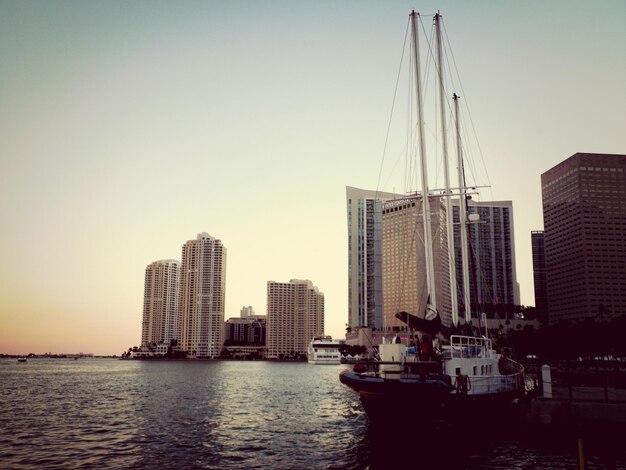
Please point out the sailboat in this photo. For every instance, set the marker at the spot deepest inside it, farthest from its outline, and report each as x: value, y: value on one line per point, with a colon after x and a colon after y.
x: 444, y: 365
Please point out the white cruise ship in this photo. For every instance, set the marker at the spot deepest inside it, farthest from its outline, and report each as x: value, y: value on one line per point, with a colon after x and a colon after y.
x: 324, y: 350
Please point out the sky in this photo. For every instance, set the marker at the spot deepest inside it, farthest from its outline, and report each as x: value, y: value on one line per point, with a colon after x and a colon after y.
x: 127, y: 128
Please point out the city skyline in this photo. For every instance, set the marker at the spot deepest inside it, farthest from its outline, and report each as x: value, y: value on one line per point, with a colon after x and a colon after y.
x: 126, y: 128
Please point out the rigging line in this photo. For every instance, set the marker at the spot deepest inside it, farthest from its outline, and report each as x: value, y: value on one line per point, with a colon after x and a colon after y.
x: 448, y: 76
x: 466, y: 150
x: 438, y: 73
x: 410, y: 244
x: 429, y: 57
x: 478, y: 177
x: 412, y: 174
x: 469, y: 162
x: 491, y: 289
x: 433, y: 133
x: 474, y: 171
x: 392, y: 106
x: 466, y: 104
x: 421, y: 237
x: 407, y: 243
x: 393, y: 169
x: 410, y: 136
x: 471, y: 165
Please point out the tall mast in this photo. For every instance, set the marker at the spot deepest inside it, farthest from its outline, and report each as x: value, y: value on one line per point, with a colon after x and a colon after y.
x: 448, y: 196
x: 428, y: 242
x: 462, y: 215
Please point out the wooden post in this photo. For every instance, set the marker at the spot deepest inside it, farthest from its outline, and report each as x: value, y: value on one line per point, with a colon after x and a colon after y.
x: 581, y: 454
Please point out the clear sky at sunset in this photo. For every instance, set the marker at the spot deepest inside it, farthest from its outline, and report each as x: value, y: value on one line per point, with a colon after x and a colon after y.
x: 126, y: 128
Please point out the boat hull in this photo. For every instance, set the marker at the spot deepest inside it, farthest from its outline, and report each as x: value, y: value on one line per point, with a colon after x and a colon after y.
x: 423, y: 397
x: 329, y: 362
x: 370, y: 386
x: 383, y: 398
x: 379, y: 393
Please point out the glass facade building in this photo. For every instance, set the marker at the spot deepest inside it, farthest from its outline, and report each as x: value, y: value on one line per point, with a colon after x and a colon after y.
x: 584, y: 212
x: 540, y: 279
x: 493, y: 278
x: 365, y: 283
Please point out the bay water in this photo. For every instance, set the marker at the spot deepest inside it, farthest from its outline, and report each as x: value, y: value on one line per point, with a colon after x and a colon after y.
x: 108, y: 413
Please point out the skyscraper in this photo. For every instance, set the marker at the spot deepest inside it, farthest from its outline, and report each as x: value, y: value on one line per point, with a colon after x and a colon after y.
x: 584, y: 215
x: 295, y: 314
x: 540, y: 279
x: 203, y: 281
x: 493, y: 278
x: 404, y: 261
x: 365, y: 283
x: 492, y: 273
x: 160, y: 302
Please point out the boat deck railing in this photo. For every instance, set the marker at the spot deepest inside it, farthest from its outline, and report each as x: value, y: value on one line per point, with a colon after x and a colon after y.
x: 401, y: 369
x: 467, y: 347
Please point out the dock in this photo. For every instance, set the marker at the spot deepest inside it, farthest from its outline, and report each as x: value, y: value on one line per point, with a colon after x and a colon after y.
x: 574, y: 404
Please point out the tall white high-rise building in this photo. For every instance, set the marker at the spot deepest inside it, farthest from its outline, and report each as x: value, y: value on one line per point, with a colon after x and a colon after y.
x: 160, y: 302
x: 365, y: 281
x: 295, y: 314
x: 203, y: 282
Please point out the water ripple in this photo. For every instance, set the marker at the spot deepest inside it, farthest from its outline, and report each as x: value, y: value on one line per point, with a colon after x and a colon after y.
x: 96, y: 413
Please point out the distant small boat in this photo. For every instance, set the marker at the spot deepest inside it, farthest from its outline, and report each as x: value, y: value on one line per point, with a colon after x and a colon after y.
x: 324, y: 350
x: 21, y: 359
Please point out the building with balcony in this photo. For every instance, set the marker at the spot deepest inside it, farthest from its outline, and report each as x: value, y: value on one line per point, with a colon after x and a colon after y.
x: 295, y: 314
x: 203, y: 281
x: 161, y: 303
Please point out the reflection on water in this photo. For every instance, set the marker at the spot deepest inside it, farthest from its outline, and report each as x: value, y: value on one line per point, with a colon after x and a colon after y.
x: 489, y: 442
x: 243, y: 415
x: 52, y: 415
x: 133, y: 414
